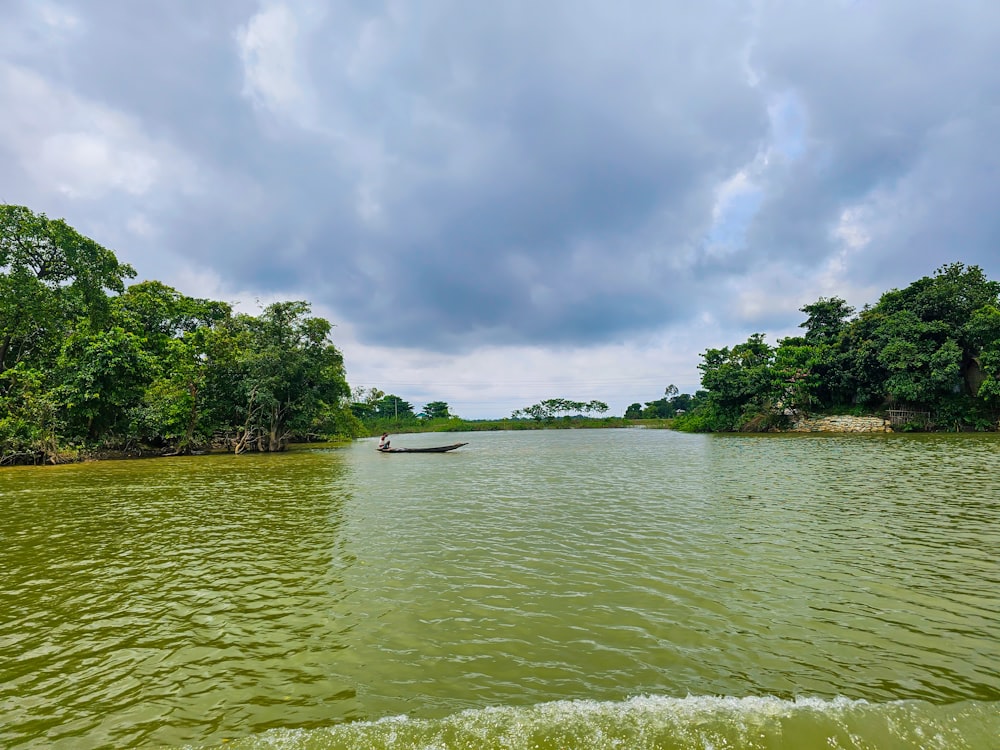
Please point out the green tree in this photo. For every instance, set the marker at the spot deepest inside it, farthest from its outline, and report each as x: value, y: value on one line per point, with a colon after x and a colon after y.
x: 393, y: 407
x: 436, y: 410
x: 364, y: 403
x: 934, y: 344
x: 596, y: 406
x: 659, y: 409
x: 173, y: 327
x: 983, y: 372
x: 50, y: 276
x: 30, y: 424
x: 274, y: 377
x: 552, y: 407
x: 738, y: 382
x: 101, y: 376
x: 827, y: 320
x: 922, y: 345
x: 795, y: 376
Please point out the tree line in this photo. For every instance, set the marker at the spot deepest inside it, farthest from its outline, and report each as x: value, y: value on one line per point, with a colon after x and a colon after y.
x: 87, y: 364
x: 933, y: 347
x: 379, y: 411
x: 672, y: 404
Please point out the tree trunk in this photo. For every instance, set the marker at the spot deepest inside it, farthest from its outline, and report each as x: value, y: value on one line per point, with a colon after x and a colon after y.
x: 185, y: 445
x: 274, y: 441
x: 3, y: 351
x: 241, y: 443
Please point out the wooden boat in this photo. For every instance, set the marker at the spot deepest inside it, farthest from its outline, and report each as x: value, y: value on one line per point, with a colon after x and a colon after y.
x: 435, y: 449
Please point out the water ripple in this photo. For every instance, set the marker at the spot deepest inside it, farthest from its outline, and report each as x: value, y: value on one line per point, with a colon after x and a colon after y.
x: 168, y: 602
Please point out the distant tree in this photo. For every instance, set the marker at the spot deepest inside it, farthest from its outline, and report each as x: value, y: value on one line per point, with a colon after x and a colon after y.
x: 364, y: 403
x: 659, y: 409
x: 634, y: 411
x: 596, y: 406
x: 553, y: 407
x: 436, y: 410
x: 393, y: 407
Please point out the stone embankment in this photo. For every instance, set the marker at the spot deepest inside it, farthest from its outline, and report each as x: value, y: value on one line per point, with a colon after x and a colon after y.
x: 842, y: 423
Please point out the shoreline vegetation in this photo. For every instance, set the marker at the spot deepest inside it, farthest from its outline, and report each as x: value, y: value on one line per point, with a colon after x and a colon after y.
x: 92, y: 367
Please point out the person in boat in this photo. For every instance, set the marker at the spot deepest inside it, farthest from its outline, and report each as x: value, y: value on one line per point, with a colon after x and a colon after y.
x: 383, y: 442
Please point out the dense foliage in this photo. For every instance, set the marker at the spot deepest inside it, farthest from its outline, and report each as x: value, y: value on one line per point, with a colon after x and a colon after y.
x: 88, y: 364
x: 672, y: 404
x: 931, y: 348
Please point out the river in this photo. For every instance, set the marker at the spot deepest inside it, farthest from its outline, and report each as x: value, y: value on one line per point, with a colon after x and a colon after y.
x: 551, y: 589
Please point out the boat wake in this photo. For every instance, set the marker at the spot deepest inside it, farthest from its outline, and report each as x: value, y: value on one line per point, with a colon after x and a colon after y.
x: 660, y: 723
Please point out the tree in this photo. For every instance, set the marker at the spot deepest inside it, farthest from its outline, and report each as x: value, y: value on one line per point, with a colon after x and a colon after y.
x: 364, y: 402
x: 436, y: 410
x: 920, y: 361
x: 983, y: 373
x: 50, y: 275
x: 923, y: 344
x: 30, y: 424
x: 738, y: 381
x: 827, y: 319
x: 596, y: 406
x: 275, y: 376
x: 552, y: 407
x: 934, y: 345
x: 173, y: 327
x: 101, y: 375
x: 393, y: 407
x: 794, y: 374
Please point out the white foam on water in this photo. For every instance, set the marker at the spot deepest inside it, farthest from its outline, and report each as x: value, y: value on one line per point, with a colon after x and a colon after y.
x: 663, y: 723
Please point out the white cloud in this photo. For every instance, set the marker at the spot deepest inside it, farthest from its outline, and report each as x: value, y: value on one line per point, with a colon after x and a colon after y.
x: 80, y: 148
x: 87, y: 165
x: 140, y: 226
x: 851, y: 229
x: 494, y: 381
x: 58, y: 17
x: 274, y: 76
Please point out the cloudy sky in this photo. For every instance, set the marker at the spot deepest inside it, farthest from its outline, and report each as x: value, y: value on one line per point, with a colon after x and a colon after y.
x: 498, y: 203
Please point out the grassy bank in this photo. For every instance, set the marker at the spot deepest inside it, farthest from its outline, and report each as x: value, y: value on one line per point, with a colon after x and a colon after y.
x: 491, y: 425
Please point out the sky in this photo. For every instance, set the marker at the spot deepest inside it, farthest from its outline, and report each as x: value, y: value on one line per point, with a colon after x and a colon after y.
x: 501, y: 203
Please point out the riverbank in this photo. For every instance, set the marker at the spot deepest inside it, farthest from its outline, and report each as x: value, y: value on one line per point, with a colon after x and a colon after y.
x: 455, y: 424
x: 840, y: 423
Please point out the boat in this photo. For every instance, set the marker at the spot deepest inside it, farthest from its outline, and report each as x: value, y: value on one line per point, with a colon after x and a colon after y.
x: 435, y: 449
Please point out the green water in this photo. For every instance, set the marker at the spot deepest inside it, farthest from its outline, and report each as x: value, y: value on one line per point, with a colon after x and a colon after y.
x: 557, y: 589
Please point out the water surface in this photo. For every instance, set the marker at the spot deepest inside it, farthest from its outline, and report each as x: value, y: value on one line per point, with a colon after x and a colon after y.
x: 532, y: 589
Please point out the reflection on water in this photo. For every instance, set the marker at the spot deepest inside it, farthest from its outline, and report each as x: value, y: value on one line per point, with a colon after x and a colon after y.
x: 534, y: 581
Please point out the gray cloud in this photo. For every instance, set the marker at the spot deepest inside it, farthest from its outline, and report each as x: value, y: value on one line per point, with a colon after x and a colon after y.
x: 448, y: 175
